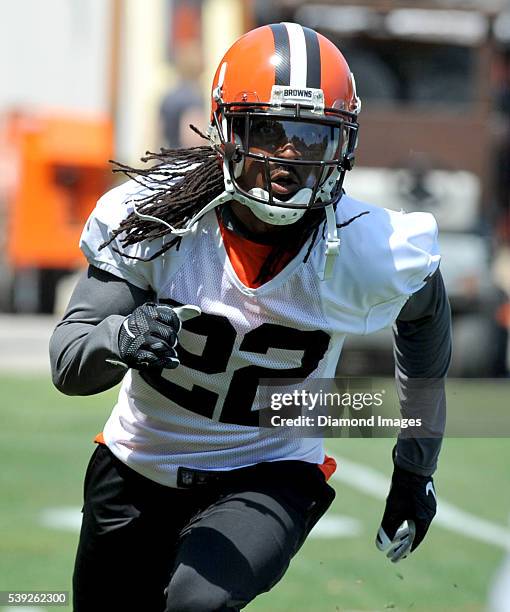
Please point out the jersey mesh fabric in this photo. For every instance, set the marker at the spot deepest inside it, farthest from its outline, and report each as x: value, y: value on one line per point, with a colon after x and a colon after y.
x: 155, y: 435
x: 384, y: 258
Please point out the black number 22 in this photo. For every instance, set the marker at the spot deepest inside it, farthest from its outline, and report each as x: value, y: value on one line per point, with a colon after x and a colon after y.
x: 220, y: 337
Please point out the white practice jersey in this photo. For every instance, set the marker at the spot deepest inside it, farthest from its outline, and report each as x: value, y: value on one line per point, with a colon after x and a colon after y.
x: 203, y: 414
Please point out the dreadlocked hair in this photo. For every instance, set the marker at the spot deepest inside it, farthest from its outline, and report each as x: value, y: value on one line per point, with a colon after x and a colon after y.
x: 176, y: 193
x: 179, y: 184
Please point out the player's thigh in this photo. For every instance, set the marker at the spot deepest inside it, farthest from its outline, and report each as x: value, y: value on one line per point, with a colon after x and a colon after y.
x: 125, y: 552
x: 241, y: 545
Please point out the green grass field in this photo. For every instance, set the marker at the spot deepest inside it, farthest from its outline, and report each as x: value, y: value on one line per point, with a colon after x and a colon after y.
x: 45, y: 441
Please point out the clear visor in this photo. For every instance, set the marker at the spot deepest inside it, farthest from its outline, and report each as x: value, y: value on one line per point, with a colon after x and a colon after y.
x: 307, y: 141
x: 283, y: 156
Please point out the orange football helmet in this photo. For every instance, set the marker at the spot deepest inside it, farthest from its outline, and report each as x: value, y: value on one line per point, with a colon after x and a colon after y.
x: 280, y: 88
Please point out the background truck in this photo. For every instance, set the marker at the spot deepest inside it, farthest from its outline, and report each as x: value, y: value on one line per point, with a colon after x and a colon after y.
x: 433, y: 137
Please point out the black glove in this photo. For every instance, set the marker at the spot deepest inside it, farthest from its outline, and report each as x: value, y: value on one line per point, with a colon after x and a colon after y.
x: 412, y: 498
x: 148, y: 337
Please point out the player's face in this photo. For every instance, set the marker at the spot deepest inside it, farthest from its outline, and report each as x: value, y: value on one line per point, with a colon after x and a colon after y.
x: 287, y: 140
x: 285, y: 180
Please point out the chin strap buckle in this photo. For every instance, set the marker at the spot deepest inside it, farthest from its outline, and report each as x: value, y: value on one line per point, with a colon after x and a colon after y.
x: 332, y: 251
x: 332, y: 247
x: 332, y: 243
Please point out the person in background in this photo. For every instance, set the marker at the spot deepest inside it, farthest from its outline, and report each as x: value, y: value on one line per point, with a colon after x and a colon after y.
x: 183, y: 104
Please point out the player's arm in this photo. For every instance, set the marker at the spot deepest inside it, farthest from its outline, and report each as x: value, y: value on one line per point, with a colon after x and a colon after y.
x: 110, y: 325
x: 88, y: 333
x: 422, y: 350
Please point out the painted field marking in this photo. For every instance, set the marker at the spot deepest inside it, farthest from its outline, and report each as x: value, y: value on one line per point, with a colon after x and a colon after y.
x: 360, y: 477
x: 22, y: 609
x: 68, y: 518
x: 337, y: 526
x: 64, y: 518
x: 374, y: 483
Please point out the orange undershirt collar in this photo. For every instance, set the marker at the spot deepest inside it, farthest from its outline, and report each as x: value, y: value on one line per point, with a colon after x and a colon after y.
x: 247, y: 257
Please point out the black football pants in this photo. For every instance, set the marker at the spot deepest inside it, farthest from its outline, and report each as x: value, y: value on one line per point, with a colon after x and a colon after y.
x: 145, y: 547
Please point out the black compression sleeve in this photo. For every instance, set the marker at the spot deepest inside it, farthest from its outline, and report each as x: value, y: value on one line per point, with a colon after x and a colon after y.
x: 88, y: 333
x: 422, y: 350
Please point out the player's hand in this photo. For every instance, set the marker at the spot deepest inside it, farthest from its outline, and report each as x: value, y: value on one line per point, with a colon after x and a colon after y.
x: 148, y: 336
x: 411, y: 500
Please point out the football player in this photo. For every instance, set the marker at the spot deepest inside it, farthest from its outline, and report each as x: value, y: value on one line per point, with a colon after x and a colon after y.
x: 212, y: 269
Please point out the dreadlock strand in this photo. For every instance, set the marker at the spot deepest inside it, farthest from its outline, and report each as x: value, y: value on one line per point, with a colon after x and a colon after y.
x: 175, y: 242
x: 349, y: 221
x: 175, y: 193
x: 312, y: 243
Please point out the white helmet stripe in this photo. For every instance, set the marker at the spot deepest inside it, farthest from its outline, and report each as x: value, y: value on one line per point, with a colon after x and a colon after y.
x: 298, y: 57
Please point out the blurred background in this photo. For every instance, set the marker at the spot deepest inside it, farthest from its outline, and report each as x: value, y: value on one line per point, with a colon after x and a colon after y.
x: 85, y: 81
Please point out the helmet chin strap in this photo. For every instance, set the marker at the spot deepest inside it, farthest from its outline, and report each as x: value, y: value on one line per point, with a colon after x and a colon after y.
x: 223, y: 197
x: 332, y: 243
x: 275, y: 215
x: 262, y: 212
x: 303, y: 195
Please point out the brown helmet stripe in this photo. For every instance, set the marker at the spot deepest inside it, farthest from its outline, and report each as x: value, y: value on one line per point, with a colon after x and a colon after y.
x: 282, y: 52
x: 313, y: 59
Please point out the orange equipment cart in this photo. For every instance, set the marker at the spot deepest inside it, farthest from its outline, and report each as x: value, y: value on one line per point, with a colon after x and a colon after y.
x: 63, y: 170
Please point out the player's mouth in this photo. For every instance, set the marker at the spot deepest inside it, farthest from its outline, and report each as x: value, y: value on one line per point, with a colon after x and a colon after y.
x: 284, y: 183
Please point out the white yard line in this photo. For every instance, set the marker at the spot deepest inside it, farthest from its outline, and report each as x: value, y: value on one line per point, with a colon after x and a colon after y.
x: 63, y: 518
x: 362, y: 478
x: 22, y: 609
x: 68, y: 518
x: 374, y: 483
x: 337, y: 526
